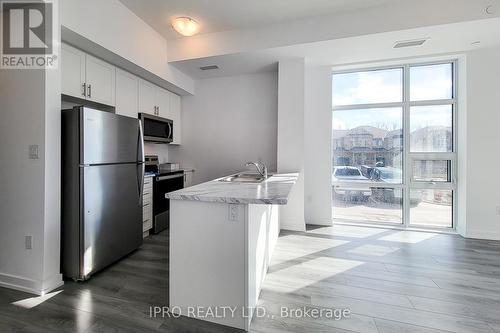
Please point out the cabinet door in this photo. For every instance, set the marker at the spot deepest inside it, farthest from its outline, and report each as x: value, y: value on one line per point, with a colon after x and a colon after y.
x: 175, y: 111
x: 147, y: 97
x: 72, y: 72
x: 127, y: 92
x: 163, y: 102
x: 188, y: 178
x: 100, y: 77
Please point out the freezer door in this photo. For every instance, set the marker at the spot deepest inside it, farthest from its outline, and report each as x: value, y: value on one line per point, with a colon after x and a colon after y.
x: 112, y: 214
x: 109, y: 138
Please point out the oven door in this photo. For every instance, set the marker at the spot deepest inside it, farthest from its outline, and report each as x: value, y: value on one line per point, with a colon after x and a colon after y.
x: 162, y: 185
x: 156, y: 129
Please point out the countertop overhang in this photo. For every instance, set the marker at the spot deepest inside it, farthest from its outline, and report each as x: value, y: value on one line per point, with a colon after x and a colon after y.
x: 273, y: 191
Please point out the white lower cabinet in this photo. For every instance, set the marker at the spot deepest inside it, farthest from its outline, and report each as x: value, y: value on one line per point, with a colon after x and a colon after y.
x: 147, y: 206
x: 188, y: 178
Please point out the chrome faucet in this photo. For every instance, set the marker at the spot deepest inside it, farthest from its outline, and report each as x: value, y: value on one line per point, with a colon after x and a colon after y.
x: 261, y: 168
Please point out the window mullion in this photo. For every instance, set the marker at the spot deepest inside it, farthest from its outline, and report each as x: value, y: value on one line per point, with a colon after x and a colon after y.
x: 406, y: 147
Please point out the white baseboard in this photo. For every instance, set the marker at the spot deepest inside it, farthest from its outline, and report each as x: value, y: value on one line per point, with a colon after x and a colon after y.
x: 36, y: 287
x: 293, y: 225
x: 482, y: 234
x: 54, y: 282
x: 327, y: 222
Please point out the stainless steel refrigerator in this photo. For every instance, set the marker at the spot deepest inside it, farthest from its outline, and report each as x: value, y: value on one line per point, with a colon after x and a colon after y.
x: 102, y: 183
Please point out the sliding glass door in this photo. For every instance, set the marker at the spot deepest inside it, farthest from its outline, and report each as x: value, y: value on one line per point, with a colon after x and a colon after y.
x: 393, y: 145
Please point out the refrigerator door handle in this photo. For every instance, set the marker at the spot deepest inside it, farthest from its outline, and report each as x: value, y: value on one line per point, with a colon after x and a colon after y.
x: 140, y: 179
x: 140, y: 157
x: 140, y: 146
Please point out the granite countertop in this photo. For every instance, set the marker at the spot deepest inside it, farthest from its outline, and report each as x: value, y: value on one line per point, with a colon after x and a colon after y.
x: 273, y: 191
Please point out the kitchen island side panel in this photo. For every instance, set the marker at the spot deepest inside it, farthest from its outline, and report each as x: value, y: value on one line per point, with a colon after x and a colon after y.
x: 207, y: 259
x: 262, y: 235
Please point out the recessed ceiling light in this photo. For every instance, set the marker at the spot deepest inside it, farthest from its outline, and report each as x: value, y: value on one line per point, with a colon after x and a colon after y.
x: 408, y: 43
x: 477, y: 42
x: 186, y: 26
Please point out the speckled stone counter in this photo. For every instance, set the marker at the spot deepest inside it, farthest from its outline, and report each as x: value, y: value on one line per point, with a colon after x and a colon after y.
x: 273, y: 191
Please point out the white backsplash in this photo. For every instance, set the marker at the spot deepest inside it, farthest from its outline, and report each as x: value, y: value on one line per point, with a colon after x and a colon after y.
x: 157, y: 149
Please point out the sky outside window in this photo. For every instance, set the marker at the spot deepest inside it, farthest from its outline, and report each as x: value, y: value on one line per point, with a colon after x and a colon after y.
x: 381, y: 86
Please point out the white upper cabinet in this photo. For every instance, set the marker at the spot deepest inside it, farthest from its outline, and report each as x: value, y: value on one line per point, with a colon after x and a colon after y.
x: 147, y: 97
x: 163, y: 102
x: 73, y: 72
x: 154, y: 100
x: 87, y: 77
x: 127, y: 94
x: 175, y: 111
x: 100, y: 78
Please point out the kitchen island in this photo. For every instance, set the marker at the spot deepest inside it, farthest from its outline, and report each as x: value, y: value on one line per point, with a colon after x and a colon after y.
x: 222, y: 236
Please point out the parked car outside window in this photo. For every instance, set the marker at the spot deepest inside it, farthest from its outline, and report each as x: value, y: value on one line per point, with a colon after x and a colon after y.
x: 350, y: 174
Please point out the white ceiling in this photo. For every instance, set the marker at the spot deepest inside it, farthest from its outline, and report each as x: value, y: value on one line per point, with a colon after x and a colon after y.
x: 443, y: 39
x: 224, y: 15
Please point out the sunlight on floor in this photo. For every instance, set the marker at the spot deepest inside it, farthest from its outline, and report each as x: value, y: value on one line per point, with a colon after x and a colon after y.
x: 31, y: 302
x: 347, y: 231
x: 411, y: 237
x: 313, y: 271
x: 373, y: 250
x: 303, y: 246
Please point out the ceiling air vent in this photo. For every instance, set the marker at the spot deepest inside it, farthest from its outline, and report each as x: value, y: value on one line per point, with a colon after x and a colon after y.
x: 209, y: 68
x: 409, y: 43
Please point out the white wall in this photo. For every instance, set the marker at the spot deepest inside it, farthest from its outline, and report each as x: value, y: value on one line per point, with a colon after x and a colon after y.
x: 230, y: 121
x: 157, y: 149
x: 52, y: 178
x: 318, y: 145
x: 21, y: 197
x: 113, y: 26
x: 291, y: 103
x: 483, y: 141
x: 30, y: 195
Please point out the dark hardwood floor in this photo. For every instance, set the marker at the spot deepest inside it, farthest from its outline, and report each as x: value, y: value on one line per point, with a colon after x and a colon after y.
x: 390, y: 280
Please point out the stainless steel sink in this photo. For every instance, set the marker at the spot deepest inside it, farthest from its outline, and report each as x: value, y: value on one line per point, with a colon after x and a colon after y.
x: 244, y: 178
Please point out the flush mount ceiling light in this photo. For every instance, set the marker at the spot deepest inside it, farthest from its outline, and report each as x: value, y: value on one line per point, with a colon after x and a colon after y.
x: 186, y: 26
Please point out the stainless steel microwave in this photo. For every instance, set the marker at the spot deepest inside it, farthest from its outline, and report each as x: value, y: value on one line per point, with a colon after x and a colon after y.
x: 156, y: 129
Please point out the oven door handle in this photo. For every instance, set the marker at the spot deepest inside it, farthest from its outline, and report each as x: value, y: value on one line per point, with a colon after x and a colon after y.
x: 169, y: 177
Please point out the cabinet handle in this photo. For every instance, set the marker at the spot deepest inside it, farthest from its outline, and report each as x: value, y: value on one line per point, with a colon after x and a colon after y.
x: 90, y: 90
x: 84, y: 93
